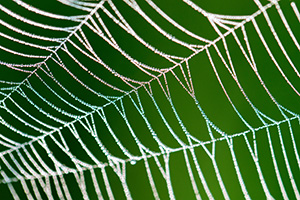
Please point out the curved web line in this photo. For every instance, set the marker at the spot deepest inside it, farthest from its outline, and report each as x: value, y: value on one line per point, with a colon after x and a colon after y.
x: 118, y: 164
x: 134, y: 90
x: 82, y: 22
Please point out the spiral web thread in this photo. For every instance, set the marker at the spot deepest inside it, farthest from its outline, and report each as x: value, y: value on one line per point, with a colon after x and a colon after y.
x: 40, y: 112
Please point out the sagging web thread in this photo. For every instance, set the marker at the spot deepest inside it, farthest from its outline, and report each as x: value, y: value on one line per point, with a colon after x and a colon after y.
x: 58, y: 113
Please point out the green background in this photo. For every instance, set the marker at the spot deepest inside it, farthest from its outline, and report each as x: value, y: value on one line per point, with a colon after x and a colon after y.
x: 208, y: 92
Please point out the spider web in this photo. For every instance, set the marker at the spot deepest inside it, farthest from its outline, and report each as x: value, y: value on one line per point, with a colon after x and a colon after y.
x: 144, y: 99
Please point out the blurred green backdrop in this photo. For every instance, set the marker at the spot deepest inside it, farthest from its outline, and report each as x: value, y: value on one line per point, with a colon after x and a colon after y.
x: 208, y: 94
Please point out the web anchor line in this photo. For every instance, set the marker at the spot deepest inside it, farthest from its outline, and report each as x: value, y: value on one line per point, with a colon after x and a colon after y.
x: 78, y: 119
